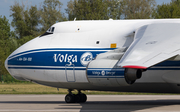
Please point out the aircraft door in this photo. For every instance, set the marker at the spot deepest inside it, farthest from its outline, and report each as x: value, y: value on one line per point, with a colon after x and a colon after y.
x: 70, y: 72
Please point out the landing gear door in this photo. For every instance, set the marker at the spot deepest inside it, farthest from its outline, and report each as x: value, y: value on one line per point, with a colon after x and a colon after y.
x: 70, y: 72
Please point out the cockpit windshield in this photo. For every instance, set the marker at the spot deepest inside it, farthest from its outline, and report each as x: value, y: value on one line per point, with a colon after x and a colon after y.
x: 49, y: 31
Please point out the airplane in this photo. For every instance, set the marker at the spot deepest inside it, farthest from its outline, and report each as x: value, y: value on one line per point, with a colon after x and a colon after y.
x: 103, y: 55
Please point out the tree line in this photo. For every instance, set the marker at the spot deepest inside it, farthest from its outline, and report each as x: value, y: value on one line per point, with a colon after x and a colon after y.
x: 31, y: 21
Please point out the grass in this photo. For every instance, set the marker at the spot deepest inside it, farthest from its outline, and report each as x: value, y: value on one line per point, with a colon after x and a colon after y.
x: 25, y: 88
x: 31, y: 88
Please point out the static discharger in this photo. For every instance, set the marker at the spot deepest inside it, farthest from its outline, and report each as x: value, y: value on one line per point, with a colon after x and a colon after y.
x: 113, y: 45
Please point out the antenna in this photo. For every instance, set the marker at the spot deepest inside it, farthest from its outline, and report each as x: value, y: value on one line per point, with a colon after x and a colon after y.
x: 74, y: 19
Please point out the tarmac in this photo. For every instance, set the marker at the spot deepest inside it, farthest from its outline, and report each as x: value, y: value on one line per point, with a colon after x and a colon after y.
x: 95, y: 103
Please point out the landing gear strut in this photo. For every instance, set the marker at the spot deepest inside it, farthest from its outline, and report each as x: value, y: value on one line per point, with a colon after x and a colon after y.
x: 75, y: 98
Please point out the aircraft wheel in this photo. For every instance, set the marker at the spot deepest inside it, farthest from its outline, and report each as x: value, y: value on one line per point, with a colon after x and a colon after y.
x: 83, y: 98
x: 78, y: 98
x: 70, y: 98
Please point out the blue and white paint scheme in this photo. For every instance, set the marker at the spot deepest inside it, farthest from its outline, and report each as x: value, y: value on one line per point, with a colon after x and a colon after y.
x: 97, y: 55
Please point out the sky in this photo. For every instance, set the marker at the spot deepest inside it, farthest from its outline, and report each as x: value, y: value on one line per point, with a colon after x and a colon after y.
x: 5, y: 5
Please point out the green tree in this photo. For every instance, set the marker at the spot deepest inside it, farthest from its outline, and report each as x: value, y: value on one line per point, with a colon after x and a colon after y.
x: 115, y: 8
x: 18, y: 20
x: 7, y: 43
x: 138, y: 9
x: 30, y: 21
x: 50, y: 13
x: 93, y: 9
x: 70, y: 10
x: 24, y: 21
x: 105, y: 9
x: 170, y: 10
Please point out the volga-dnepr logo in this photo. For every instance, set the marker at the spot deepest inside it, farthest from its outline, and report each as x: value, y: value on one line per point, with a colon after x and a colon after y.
x: 86, y: 58
x: 72, y: 58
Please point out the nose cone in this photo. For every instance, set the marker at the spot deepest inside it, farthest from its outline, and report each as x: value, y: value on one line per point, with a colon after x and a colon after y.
x: 7, y: 67
x: 13, y: 72
x: 18, y: 59
x: 6, y: 64
x: 21, y: 63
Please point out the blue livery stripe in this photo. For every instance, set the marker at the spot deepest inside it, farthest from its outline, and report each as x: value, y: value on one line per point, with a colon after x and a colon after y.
x: 164, y: 68
x: 105, y: 73
x: 41, y: 68
x: 105, y: 77
x: 63, y: 56
x: 82, y: 68
x: 108, y: 69
x: 65, y: 49
x: 51, y: 57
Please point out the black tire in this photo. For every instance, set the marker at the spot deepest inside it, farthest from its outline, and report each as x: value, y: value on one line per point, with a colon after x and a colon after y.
x: 83, y: 98
x: 69, y: 98
x: 78, y: 98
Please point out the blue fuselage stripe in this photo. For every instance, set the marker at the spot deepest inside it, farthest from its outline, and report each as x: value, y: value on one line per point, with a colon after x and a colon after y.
x: 53, y: 57
x: 64, y: 49
x: 65, y: 56
x: 46, y: 68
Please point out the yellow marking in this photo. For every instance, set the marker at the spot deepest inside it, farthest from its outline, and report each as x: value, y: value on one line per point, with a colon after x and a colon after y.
x: 113, y: 45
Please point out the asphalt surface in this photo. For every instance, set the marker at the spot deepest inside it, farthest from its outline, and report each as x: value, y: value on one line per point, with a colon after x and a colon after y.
x: 95, y: 103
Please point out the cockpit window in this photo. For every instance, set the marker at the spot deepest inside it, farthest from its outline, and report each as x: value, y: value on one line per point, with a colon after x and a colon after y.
x: 52, y: 30
x: 49, y: 31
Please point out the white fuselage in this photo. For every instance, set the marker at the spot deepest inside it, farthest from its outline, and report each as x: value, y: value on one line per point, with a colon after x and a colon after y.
x: 59, y: 59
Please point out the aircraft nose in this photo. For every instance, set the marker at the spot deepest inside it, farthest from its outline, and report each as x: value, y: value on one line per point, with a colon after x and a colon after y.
x: 21, y: 63
x: 18, y: 61
x: 6, y: 64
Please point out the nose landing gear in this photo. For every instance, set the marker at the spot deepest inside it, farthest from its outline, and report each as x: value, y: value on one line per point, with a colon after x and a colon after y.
x: 75, y: 98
